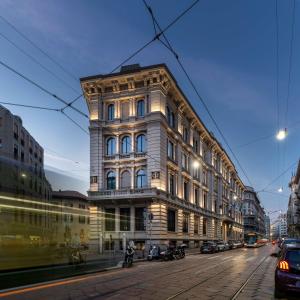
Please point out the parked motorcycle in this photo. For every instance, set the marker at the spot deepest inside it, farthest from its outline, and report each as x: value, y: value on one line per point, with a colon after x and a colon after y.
x: 169, y: 254
x: 154, y: 253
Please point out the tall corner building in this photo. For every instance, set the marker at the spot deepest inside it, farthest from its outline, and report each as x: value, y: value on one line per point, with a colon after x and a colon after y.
x: 157, y: 175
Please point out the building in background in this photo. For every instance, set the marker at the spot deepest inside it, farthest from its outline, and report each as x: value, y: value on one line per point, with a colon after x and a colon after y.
x: 267, y: 227
x: 24, y: 189
x: 71, y: 219
x: 293, y: 212
x: 253, y: 214
x: 157, y: 174
x: 279, y: 226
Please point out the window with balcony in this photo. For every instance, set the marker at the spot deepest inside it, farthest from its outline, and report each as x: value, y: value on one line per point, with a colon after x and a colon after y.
x: 139, y: 219
x: 171, y: 148
x: 204, y: 227
x: 125, y: 179
x: 111, y: 146
x: 125, y: 219
x: 110, y: 112
x: 171, y: 220
x: 125, y: 145
x: 141, y: 179
x: 110, y: 219
x: 140, y: 108
x: 140, y: 144
x: 185, y: 223
x: 111, y: 180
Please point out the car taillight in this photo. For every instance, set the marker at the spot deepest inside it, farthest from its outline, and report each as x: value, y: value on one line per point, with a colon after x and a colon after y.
x: 283, y: 265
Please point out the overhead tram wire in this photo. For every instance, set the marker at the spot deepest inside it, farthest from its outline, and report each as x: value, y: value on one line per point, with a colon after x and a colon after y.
x: 41, y: 88
x: 157, y: 35
x: 30, y: 106
x: 37, y: 62
x: 171, y: 49
x: 290, y: 61
x: 69, y: 104
x: 39, y: 48
x: 279, y: 176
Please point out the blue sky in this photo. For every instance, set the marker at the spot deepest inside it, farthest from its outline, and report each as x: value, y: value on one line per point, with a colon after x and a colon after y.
x: 228, y: 47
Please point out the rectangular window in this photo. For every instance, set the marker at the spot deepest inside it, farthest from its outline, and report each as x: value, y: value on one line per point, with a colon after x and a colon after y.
x: 110, y: 219
x: 172, y: 184
x: 171, y: 150
x: 185, y: 161
x: 204, y: 228
x: 93, y: 179
x: 205, y: 200
x: 185, y: 224
x: 139, y: 219
x: 196, y: 224
x: 171, y: 220
x: 196, y: 196
x: 16, y: 154
x: 186, y: 190
x: 125, y: 219
x: 216, y: 184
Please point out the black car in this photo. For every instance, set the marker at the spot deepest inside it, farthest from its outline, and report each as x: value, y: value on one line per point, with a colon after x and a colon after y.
x: 287, y: 273
x: 209, y: 247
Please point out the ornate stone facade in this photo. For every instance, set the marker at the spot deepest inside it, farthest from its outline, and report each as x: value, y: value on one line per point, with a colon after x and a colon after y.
x: 157, y: 174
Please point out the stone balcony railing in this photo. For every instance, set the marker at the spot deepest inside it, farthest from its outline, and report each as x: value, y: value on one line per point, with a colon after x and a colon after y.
x: 123, y: 193
x: 120, y: 156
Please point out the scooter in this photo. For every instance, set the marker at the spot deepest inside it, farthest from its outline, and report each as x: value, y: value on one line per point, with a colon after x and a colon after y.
x: 128, y: 257
x: 154, y: 253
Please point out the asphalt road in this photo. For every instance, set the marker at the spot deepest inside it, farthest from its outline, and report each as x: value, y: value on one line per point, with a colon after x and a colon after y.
x: 236, y: 274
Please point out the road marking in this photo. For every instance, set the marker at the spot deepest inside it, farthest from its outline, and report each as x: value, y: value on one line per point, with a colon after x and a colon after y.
x: 250, y: 258
x: 227, y: 257
x: 214, y: 256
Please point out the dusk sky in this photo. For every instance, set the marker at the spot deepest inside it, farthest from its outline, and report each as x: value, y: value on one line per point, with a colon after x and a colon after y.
x: 228, y: 48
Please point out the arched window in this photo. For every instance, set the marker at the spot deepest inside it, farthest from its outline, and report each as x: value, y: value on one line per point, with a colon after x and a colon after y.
x: 140, y: 180
x: 125, y: 146
x: 111, y: 180
x: 110, y: 112
x: 111, y: 146
x: 125, y: 179
x: 140, y: 143
x: 141, y: 108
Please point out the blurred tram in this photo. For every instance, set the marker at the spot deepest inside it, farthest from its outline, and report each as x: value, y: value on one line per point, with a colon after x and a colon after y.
x: 254, y: 240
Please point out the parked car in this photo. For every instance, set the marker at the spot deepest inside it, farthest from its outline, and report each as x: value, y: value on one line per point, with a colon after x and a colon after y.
x: 237, y: 244
x: 221, y: 246
x: 230, y: 244
x: 227, y: 246
x: 288, y: 241
x: 209, y: 247
x: 287, y: 273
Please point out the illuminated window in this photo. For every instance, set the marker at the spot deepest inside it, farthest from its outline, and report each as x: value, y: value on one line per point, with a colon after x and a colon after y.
x: 140, y: 143
x: 141, y: 179
x: 125, y: 147
x: 111, y: 180
x: 111, y: 146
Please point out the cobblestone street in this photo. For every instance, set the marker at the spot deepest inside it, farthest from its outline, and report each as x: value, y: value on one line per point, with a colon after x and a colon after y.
x: 237, y: 274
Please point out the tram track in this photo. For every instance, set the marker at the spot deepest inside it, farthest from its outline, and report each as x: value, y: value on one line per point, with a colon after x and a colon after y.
x: 236, y: 294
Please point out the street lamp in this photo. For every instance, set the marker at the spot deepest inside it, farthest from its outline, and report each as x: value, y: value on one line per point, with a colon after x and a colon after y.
x: 23, y: 175
x: 196, y: 164
x: 281, y: 134
x: 234, y: 197
x: 280, y: 190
